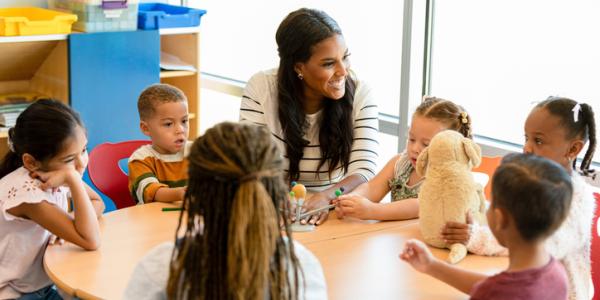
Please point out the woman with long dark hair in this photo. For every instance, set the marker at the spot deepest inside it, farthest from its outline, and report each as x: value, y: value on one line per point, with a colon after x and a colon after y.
x: 322, y: 116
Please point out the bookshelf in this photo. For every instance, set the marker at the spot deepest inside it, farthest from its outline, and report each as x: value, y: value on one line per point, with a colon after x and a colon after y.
x: 185, y: 44
x: 36, y: 64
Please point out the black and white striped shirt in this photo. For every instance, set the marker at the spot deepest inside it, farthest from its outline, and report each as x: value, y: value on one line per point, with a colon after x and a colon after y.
x: 259, y: 106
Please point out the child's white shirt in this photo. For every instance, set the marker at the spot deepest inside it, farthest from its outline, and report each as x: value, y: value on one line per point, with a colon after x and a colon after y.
x: 570, y: 244
x: 150, y: 277
x: 22, y: 241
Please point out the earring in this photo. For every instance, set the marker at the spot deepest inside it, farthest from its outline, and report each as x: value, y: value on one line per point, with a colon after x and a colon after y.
x: 300, y: 76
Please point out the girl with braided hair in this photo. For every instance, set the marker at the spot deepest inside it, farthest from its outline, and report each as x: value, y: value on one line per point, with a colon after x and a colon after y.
x: 233, y: 245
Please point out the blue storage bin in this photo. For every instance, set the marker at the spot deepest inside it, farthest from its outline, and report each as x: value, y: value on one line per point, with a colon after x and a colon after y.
x: 159, y: 15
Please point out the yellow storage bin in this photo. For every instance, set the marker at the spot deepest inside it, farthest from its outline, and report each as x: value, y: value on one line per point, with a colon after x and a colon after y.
x: 33, y: 21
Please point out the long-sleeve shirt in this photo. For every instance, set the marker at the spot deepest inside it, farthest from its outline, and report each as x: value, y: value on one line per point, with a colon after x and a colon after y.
x: 150, y: 171
x: 260, y: 106
x: 570, y: 244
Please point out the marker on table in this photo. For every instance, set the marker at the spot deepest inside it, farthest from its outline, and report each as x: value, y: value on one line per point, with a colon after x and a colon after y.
x: 172, y: 208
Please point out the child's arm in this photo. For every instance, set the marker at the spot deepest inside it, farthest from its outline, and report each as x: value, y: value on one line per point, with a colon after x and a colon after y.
x: 166, y: 194
x: 356, y: 206
x: 96, y: 200
x: 82, y: 230
x: 372, y: 191
x: 376, y: 188
x: 145, y: 187
x: 419, y: 257
x: 478, y: 238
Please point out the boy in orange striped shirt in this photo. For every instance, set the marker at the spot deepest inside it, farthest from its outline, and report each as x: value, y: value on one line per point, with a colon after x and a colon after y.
x: 158, y: 172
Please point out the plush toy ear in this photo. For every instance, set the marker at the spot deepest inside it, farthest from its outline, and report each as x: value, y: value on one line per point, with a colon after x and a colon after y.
x: 473, y: 152
x: 422, y: 162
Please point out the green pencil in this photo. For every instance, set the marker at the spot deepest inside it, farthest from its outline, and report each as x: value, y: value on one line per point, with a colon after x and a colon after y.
x: 171, y: 208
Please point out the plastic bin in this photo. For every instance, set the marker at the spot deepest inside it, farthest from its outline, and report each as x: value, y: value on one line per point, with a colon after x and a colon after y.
x: 34, y: 20
x: 100, y: 15
x: 159, y: 15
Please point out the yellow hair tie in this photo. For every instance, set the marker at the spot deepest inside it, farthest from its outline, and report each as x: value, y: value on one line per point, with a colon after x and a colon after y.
x: 463, y: 117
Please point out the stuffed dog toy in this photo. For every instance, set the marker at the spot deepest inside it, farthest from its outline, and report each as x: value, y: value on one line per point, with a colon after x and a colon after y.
x: 449, y: 191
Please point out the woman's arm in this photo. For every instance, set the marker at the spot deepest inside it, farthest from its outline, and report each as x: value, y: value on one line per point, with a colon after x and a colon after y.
x: 251, y: 109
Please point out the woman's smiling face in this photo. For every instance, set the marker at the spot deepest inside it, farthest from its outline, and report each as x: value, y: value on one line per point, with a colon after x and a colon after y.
x: 324, y: 74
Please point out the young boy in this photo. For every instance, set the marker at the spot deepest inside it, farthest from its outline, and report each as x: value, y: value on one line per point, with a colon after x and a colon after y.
x: 531, y: 196
x: 158, y: 172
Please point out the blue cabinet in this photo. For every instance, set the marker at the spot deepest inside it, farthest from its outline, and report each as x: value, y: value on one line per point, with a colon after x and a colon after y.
x: 107, y: 72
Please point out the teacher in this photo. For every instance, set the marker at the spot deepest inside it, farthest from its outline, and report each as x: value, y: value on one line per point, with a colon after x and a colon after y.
x: 323, y: 118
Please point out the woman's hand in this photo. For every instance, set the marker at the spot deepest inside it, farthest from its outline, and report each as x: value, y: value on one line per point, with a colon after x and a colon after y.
x: 315, y: 201
x: 417, y: 255
x: 455, y: 232
x: 354, y: 205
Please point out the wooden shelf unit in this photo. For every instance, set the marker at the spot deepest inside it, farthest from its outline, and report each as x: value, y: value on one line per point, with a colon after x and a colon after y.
x: 185, y: 44
x: 34, y: 64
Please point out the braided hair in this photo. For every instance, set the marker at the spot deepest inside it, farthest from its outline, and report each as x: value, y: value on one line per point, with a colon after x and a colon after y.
x: 233, y: 246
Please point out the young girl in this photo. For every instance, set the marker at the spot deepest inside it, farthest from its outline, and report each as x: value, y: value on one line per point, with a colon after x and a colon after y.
x: 558, y: 129
x: 46, y: 159
x: 233, y: 247
x: 431, y: 116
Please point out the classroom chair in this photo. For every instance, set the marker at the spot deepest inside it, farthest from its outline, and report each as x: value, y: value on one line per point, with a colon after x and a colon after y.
x: 106, y: 174
x: 595, y: 256
x: 488, y: 166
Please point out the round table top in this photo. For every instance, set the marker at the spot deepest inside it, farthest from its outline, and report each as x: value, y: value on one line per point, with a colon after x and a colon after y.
x: 359, y: 258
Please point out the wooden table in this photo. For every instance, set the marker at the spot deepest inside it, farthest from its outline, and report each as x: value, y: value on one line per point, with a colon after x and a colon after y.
x: 359, y: 258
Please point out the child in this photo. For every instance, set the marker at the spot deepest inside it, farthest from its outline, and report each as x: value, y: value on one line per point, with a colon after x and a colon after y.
x: 232, y: 246
x: 558, y: 129
x: 431, y: 116
x: 46, y: 159
x: 158, y: 172
x: 531, y: 196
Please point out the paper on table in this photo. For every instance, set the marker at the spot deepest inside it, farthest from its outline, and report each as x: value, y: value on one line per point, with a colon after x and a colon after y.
x: 174, y: 63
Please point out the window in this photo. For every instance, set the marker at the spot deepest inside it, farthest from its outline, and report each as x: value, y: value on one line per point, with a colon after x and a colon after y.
x: 497, y: 58
x: 238, y: 39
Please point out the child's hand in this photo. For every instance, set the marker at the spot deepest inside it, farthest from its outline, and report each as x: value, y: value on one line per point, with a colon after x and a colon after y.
x: 417, y: 255
x: 54, y: 179
x: 458, y: 233
x: 354, y: 205
x: 54, y: 240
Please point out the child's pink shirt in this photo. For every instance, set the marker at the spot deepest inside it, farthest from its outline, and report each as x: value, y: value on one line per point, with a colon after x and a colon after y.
x: 22, y: 241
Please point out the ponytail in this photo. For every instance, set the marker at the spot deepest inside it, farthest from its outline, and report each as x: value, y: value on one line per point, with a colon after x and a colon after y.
x: 590, y: 123
x: 252, y: 234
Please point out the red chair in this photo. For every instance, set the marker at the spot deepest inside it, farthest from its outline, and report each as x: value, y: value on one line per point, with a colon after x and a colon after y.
x: 107, y: 176
x: 596, y: 249
x: 488, y: 166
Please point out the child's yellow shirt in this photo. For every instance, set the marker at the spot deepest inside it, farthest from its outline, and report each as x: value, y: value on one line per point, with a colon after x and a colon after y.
x: 150, y: 170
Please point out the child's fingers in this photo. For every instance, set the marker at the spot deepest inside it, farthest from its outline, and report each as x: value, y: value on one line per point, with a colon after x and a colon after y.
x: 453, y: 226
x: 469, y: 218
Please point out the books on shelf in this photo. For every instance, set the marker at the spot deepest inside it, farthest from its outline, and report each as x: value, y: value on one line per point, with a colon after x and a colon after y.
x: 171, y: 62
x: 11, y: 106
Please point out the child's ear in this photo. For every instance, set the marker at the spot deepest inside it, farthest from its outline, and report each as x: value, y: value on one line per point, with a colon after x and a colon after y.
x: 30, y: 163
x: 422, y: 161
x: 144, y: 128
x: 502, y: 218
x: 473, y: 152
x: 574, y: 149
